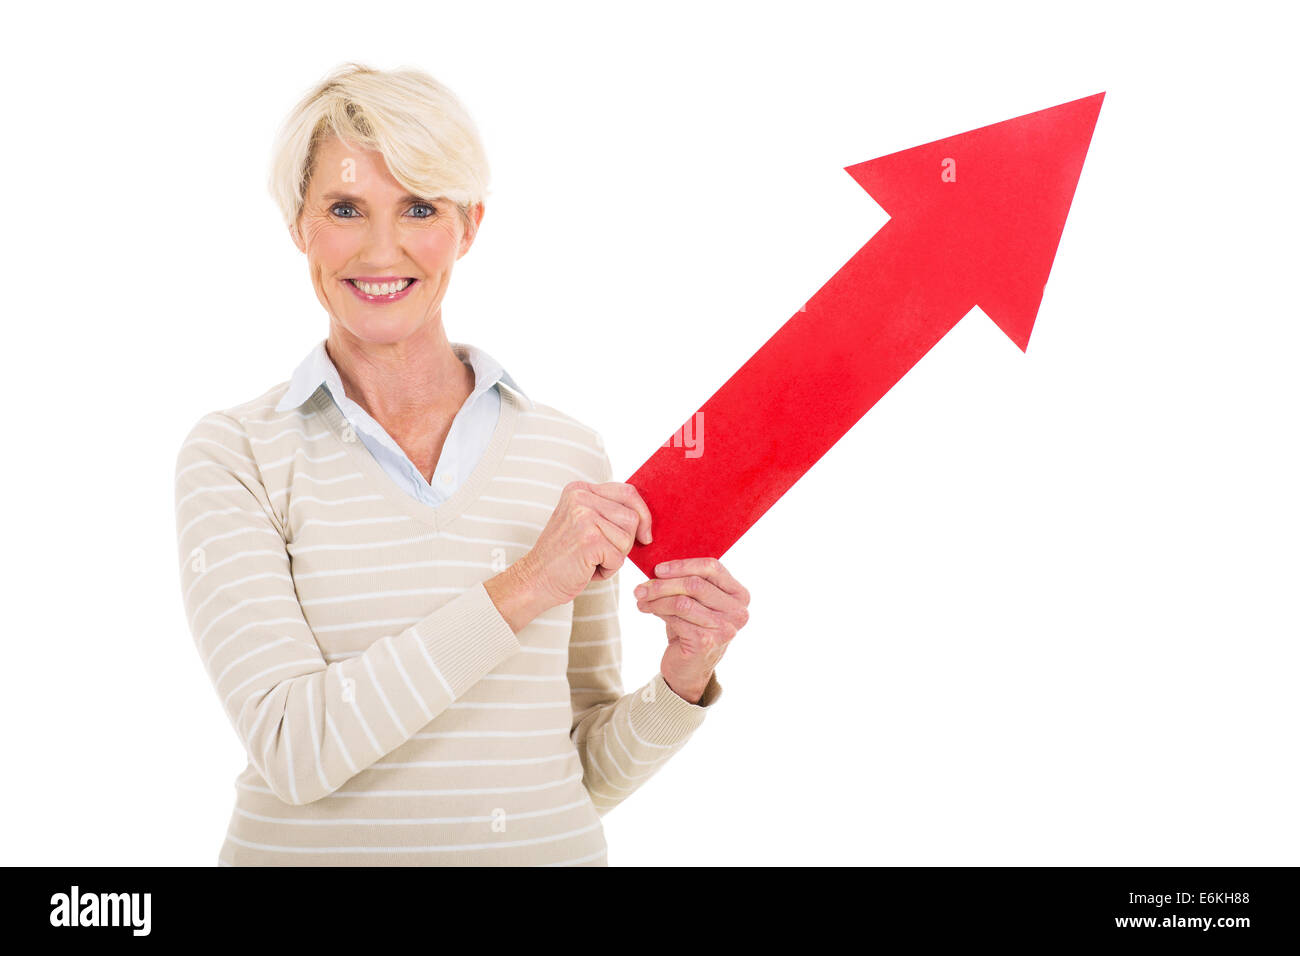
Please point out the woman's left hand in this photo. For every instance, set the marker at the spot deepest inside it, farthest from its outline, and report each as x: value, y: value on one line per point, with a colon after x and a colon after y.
x: 703, y: 607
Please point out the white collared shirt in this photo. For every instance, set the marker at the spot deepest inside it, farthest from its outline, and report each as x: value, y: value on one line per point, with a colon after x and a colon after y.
x: 470, y: 434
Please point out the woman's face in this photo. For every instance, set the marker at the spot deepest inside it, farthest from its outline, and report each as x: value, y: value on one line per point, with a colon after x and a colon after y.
x: 358, y: 222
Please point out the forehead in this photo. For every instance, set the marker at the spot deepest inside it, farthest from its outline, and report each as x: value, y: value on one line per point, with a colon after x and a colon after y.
x: 341, y: 163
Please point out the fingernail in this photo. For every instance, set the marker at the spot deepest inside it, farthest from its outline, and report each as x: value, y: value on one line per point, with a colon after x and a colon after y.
x: 640, y: 591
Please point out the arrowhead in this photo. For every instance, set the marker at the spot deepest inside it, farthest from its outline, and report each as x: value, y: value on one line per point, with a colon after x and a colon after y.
x: 997, y: 197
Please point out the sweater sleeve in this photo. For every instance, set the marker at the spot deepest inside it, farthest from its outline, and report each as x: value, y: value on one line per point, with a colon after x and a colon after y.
x: 622, y: 738
x: 308, y: 726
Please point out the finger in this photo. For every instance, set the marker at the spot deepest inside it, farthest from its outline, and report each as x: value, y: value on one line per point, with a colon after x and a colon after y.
x: 619, y: 539
x: 715, y: 641
x: 710, y: 568
x: 628, y: 495
x: 692, y: 585
x: 684, y: 608
x: 707, y: 641
x: 621, y: 515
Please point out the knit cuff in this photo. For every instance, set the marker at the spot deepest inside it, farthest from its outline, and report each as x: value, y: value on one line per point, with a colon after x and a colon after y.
x: 467, y: 637
x: 661, y: 717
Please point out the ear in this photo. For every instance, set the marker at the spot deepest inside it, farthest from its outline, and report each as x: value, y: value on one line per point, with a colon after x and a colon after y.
x: 476, y: 212
x: 296, y: 235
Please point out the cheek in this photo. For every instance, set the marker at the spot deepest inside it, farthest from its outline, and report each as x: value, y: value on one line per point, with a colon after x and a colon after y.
x: 332, y: 250
x: 435, y: 251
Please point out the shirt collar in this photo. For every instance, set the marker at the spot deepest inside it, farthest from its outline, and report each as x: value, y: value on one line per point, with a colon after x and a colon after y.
x: 316, y: 370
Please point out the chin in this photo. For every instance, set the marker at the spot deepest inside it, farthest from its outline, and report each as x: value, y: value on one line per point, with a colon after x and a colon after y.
x: 379, y: 329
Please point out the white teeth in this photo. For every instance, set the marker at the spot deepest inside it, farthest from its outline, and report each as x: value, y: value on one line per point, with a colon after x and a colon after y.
x: 382, y: 288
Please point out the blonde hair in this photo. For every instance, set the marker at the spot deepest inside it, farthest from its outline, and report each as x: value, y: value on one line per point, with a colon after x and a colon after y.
x: 427, y: 139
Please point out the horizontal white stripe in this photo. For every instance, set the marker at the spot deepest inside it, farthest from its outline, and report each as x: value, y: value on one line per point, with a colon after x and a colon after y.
x: 408, y: 821
x: 273, y: 575
x: 414, y: 849
x: 518, y: 501
x: 235, y: 633
x: 365, y: 545
x: 265, y: 599
x: 534, y: 525
x: 399, y: 623
x: 372, y: 595
x: 387, y: 519
x: 504, y: 705
x: 466, y: 539
x: 503, y: 762
x: 563, y: 466
x: 292, y: 413
x: 543, y: 417
x: 308, y: 476
x: 304, y: 456
x: 212, y: 514
x: 289, y: 431
x: 215, y: 422
x: 193, y: 442
x: 529, y: 481
x: 455, y: 792
x: 525, y: 677
x: 302, y: 499
x: 577, y: 860
x: 581, y: 446
x: 200, y: 577
x: 304, y: 662
x: 213, y: 463
x: 260, y: 649
x: 387, y: 568
x: 231, y: 534
x: 456, y: 734
x: 396, y: 542
x: 551, y: 622
x: 204, y: 489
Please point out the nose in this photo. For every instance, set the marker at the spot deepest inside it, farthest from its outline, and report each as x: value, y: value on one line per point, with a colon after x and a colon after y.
x: 381, y: 244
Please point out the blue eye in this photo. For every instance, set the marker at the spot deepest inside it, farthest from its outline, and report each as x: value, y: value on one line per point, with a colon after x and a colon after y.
x: 419, y: 205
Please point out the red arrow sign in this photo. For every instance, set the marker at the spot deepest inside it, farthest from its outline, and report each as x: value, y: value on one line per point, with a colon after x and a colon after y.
x: 975, y: 219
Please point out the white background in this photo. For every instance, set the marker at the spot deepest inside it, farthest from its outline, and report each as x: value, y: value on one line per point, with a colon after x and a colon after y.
x: 1034, y: 608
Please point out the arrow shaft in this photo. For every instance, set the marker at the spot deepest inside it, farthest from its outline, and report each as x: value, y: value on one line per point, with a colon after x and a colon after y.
x: 797, y: 395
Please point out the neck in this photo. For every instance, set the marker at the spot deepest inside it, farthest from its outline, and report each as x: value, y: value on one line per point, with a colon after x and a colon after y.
x: 398, y: 381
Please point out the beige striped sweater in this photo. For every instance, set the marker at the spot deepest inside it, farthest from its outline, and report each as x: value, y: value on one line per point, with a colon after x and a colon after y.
x: 389, y: 713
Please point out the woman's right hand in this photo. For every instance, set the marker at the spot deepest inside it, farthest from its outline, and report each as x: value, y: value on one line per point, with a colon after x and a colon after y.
x: 590, y: 533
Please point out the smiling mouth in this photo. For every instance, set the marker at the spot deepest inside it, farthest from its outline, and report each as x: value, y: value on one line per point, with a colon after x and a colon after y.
x: 382, y: 288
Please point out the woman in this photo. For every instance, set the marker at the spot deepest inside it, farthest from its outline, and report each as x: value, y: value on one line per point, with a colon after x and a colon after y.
x: 400, y: 572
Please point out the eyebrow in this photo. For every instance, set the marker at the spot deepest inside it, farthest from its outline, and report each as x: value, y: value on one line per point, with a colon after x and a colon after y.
x: 336, y: 196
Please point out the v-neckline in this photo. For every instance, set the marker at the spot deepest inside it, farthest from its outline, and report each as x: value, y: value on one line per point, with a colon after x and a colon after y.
x: 439, y: 516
